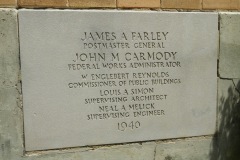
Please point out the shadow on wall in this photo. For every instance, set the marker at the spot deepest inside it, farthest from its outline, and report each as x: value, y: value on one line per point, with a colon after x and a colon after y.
x: 227, y: 143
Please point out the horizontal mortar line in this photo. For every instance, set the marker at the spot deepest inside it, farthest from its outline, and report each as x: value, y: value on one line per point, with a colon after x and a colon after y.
x: 223, y: 78
x: 126, y: 9
x: 7, y: 86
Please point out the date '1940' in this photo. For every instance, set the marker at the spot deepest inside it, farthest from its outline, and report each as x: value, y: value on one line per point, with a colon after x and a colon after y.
x: 122, y: 126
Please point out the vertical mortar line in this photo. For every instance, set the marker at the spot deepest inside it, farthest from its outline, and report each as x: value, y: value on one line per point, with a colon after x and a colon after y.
x: 67, y: 4
x: 154, y: 152
x: 219, y: 40
x: 16, y: 2
x: 20, y: 84
x: 217, y: 110
x: 218, y: 75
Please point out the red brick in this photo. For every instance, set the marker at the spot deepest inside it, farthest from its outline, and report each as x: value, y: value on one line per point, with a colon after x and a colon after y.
x: 181, y: 4
x: 43, y: 3
x: 92, y: 3
x: 8, y: 3
x: 221, y: 4
x: 138, y: 3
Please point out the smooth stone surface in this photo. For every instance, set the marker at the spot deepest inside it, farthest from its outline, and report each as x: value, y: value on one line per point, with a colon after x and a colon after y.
x: 229, y: 62
x: 56, y: 115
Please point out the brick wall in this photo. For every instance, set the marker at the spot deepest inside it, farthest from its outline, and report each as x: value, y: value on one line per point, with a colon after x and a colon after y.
x: 154, y: 4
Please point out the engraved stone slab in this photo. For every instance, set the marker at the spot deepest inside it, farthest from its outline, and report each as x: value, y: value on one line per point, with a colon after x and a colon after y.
x: 106, y: 77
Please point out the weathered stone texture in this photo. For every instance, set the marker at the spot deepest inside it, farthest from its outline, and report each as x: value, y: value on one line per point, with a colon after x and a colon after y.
x: 181, y: 4
x: 92, y: 3
x: 221, y: 4
x: 138, y: 3
x: 189, y: 149
x: 118, y: 152
x: 11, y: 122
x: 43, y: 3
x: 229, y: 63
x: 9, y: 56
x: 228, y: 120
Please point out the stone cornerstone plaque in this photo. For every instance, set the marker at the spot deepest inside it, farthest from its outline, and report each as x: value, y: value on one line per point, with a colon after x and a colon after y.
x: 104, y: 77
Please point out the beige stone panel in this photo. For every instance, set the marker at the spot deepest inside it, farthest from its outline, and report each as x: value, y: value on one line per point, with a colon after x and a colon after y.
x: 53, y: 106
